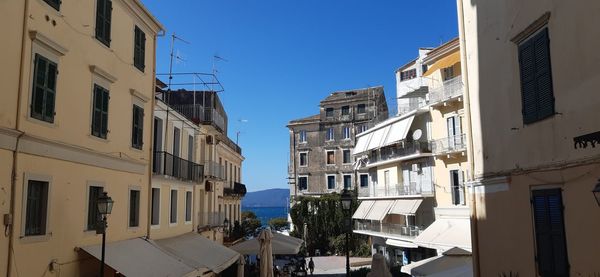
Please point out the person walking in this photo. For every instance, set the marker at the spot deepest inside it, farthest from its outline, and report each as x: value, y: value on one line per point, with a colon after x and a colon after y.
x: 311, y: 266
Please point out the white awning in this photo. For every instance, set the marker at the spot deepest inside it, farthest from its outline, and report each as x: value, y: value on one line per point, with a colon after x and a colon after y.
x: 405, y: 206
x: 378, y: 138
x: 398, y: 131
x: 139, y: 257
x: 446, y: 233
x: 448, y: 264
x: 281, y: 245
x: 199, y: 252
x: 362, y: 143
x: 363, y: 209
x: 400, y: 243
x: 379, y: 210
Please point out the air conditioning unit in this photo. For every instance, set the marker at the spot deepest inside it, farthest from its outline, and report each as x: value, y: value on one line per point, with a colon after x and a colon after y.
x: 209, y: 139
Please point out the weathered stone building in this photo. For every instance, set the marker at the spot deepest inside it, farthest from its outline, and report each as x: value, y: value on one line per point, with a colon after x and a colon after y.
x: 321, y: 145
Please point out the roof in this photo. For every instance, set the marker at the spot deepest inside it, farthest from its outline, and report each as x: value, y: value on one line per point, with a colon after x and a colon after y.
x: 441, y: 50
x: 308, y: 119
x: 407, y: 64
x: 353, y: 94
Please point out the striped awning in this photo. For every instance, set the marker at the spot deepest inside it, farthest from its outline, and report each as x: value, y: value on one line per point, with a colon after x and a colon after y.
x: 405, y: 206
x: 363, y: 209
x: 444, y: 62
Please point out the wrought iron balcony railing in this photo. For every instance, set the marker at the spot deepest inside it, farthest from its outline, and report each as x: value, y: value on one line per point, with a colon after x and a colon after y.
x: 238, y: 189
x: 450, y: 89
x: 392, y: 229
x: 412, y: 188
x: 449, y: 144
x: 214, y: 170
x: 399, y: 150
x: 167, y: 164
x: 202, y: 115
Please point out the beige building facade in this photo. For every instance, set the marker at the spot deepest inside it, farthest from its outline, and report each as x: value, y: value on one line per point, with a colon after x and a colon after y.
x: 72, y: 126
x: 532, y: 79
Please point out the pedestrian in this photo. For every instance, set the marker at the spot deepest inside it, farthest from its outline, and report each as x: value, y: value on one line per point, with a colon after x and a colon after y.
x: 311, y: 266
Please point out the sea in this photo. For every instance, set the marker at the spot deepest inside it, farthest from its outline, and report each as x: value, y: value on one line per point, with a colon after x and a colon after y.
x: 266, y: 213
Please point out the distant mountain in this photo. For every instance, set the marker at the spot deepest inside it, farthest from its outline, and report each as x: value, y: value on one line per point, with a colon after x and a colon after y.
x: 267, y: 198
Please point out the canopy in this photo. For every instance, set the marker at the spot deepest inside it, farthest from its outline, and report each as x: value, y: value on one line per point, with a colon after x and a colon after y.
x: 139, y: 257
x: 446, y: 233
x: 390, y: 132
x: 362, y: 143
x: 455, y: 262
x: 363, y: 209
x: 405, y: 206
x: 199, y: 252
x: 379, y: 210
x: 400, y: 243
x: 444, y: 62
x: 398, y: 131
x: 378, y: 138
x: 281, y: 244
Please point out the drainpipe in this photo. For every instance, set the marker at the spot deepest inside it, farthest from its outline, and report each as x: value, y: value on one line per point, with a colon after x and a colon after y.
x: 151, y: 142
x: 470, y: 153
x: 13, y: 183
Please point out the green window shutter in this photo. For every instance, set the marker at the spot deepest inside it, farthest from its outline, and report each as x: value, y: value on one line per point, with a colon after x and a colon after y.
x: 137, y: 132
x: 37, y: 99
x: 103, y: 20
x: 528, y: 91
x: 107, y: 20
x: 100, y: 112
x: 100, y: 19
x: 139, y: 49
x: 105, y: 99
x: 552, y: 256
x: 50, y: 92
x: 543, y: 75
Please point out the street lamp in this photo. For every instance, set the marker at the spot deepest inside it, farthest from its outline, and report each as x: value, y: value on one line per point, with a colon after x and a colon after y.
x: 105, y: 205
x: 226, y: 226
x: 346, y: 200
x: 596, y: 192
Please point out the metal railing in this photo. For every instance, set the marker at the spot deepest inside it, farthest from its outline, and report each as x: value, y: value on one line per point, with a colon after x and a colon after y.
x: 164, y: 163
x: 388, y: 228
x: 401, y: 149
x: 201, y: 114
x: 212, y: 219
x: 450, y: 88
x: 415, y: 103
x: 238, y: 189
x: 449, y: 144
x: 214, y: 170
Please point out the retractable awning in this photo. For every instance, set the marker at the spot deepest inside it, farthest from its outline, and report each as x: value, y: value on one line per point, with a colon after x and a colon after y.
x: 139, y: 257
x: 444, y: 62
x: 363, y: 209
x: 400, y: 243
x: 282, y: 245
x: 390, y: 132
x: 379, y: 210
x: 362, y: 143
x: 398, y: 131
x: 378, y: 138
x: 454, y: 232
x: 199, y: 252
x: 405, y: 206
x: 455, y: 262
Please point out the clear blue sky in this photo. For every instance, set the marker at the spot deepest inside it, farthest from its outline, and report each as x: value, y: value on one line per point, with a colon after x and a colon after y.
x: 285, y: 55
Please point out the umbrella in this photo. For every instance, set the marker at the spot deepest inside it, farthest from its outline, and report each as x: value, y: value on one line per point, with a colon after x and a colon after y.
x: 280, y: 245
x: 241, y: 263
x: 379, y: 267
x: 266, y: 253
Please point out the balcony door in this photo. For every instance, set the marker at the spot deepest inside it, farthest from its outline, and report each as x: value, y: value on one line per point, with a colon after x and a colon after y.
x: 453, y: 125
x: 158, y: 142
x: 176, y: 149
x: 458, y: 192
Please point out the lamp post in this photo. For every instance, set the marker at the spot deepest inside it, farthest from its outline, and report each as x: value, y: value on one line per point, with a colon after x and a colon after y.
x: 596, y: 192
x: 226, y: 228
x: 105, y: 205
x: 346, y: 200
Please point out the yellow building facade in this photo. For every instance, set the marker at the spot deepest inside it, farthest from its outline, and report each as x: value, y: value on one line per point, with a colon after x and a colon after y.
x: 73, y: 125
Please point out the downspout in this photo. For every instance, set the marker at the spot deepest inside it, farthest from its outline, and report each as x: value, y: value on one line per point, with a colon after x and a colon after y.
x: 470, y: 153
x: 13, y: 182
x: 151, y: 142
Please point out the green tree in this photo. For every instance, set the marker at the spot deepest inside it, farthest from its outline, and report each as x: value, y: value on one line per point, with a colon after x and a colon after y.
x: 248, y: 214
x: 278, y: 223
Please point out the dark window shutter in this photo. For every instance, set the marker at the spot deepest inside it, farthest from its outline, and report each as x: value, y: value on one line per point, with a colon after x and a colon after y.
x: 105, y: 98
x: 550, y: 232
x: 50, y: 92
x: 528, y: 91
x: 100, y: 19
x: 37, y: 205
x: 37, y: 99
x: 107, y: 20
x: 543, y: 75
x: 54, y: 4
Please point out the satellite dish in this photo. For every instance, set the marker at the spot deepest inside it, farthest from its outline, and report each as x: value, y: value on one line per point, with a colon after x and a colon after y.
x: 416, y: 135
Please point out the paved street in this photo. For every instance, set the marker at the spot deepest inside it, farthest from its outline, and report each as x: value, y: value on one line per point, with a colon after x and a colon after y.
x: 335, y: 265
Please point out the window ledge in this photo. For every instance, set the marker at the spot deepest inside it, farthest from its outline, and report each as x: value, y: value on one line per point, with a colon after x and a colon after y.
x: 41, y: 122
x: 106, y: 140
x: 154, y: 227
x: 34, y: 239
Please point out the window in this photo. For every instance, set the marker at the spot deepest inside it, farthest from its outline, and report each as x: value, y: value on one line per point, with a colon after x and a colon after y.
x: 303, y: 136
x: 330, y: 134
x: 330, y: 181
x: 93, y: 216
x: 329, y: 112
x: 331, y: 157
x: 190, y: 148
x: 458, y: 191
x: 361, y: 109
x: 103, y: 18
x: 346, y: 133
x: 303, y: 158
x: 155, y: 220
x: 364, y: 180
x: 424, y: 68
x: 226, y: 163
x: 176, y: 142
x: 448, y: 73
x: 454, y: 132
x: 54, y: 3
x: 537, y: 93
x: 137, y: 137
x: 346, y: 156
x: 134, y: 208
x: 37, y: 208
x: 188, y: 206
x: 347, y: 181
x: 44, y: 89
x: 552, y: 256
x: 408, y: 74
x: 173, y: 217
x: 361, y: 128
x: 303, y: 182
x: 139, y: 49
x: 345, y: 110
x: 100, y: 112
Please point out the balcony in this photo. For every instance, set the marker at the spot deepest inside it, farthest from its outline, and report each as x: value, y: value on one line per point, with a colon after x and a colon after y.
x: 202, y: 115
x: 424, y: 188
x: 450, y: 89
x: 167, y: 164
x: 399, y: 151
x: 210, y: 220
x: 238, y: 190
x: 213, y: 170
x: 414, y: 104
x: 387, y: 229
x: 231, y: 144
x: 448, y: 145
